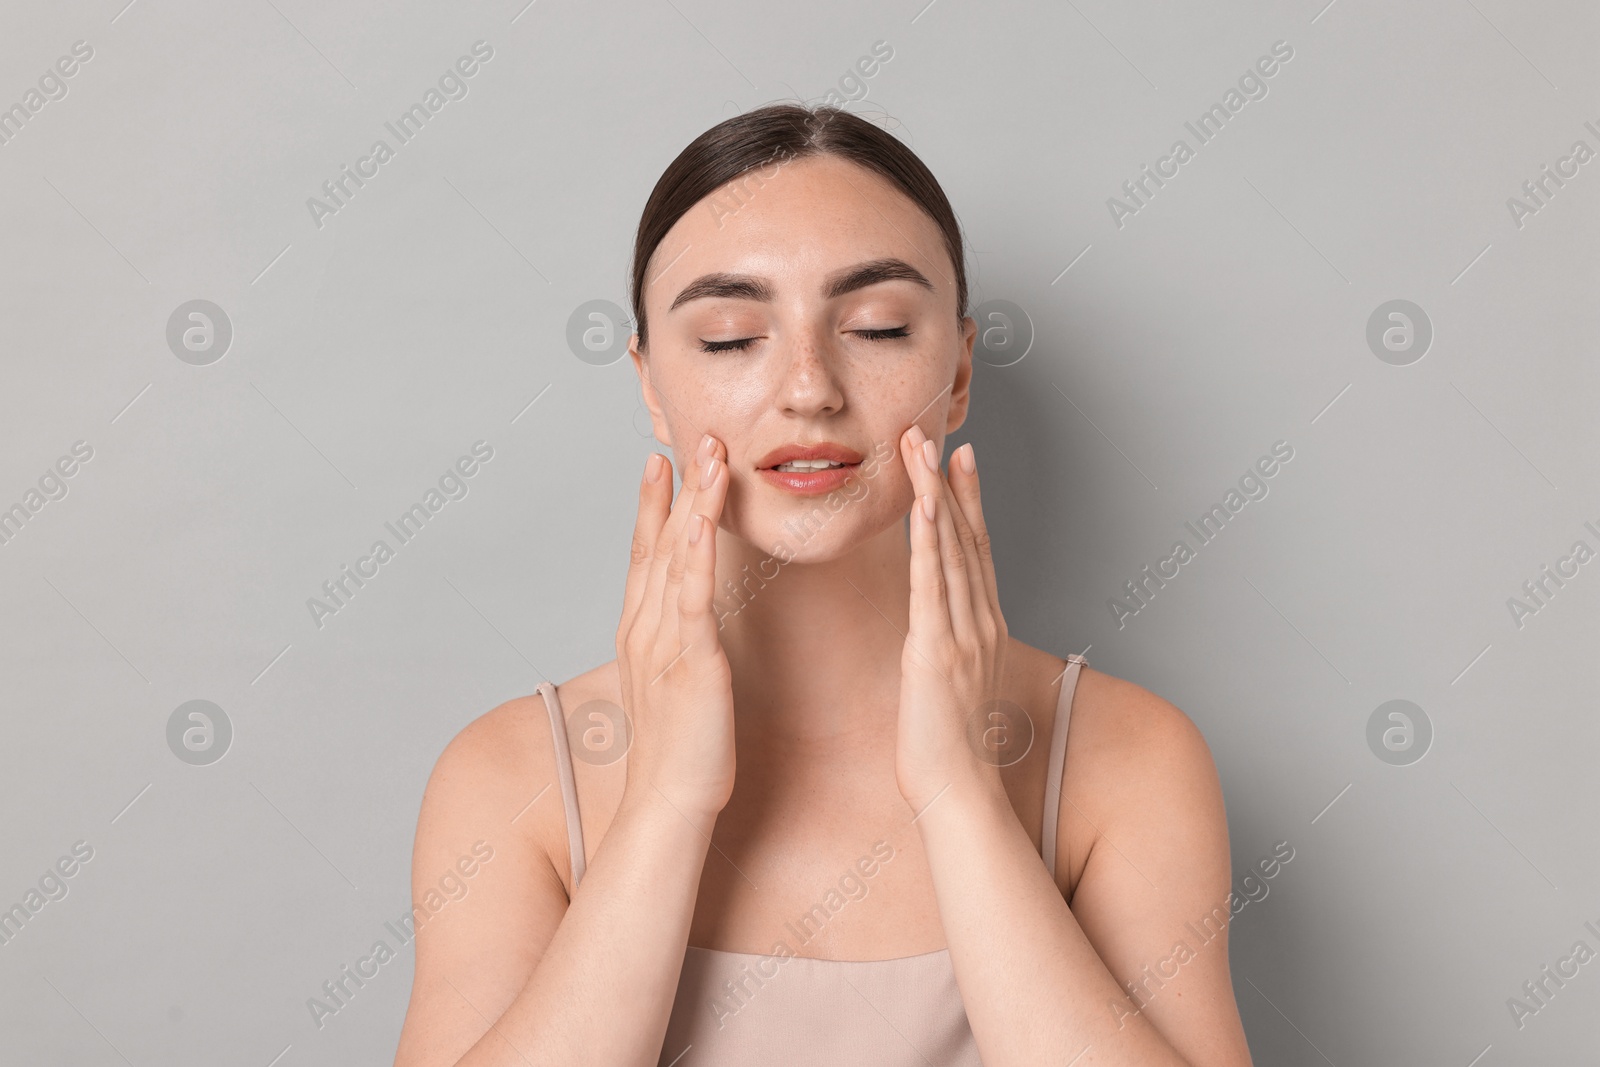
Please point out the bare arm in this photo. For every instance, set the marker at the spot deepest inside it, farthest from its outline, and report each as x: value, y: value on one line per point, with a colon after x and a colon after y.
x: 1043, y: 982
x: 1137, y: 968
x: 511, y: 974
x: 514, y: 974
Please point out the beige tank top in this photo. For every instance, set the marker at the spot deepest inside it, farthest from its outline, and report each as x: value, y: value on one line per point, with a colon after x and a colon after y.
x: 745, y: 1008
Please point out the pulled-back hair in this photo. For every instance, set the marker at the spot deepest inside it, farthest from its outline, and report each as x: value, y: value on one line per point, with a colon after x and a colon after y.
x: 767, y: 138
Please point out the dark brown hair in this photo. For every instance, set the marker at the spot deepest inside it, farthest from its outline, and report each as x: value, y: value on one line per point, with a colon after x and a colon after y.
x: 771, y: 136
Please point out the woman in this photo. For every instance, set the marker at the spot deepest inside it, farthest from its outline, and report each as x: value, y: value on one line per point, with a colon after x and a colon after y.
x: 824, y: 842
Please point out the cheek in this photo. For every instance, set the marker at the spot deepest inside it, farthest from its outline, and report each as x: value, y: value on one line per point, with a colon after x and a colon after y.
x: 916, y: 387
x: 695, y: 403
x: 735, y: 396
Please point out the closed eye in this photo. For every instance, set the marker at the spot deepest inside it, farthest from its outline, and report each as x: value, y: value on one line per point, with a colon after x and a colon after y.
x: 726, y: 346
x: 743, y: 343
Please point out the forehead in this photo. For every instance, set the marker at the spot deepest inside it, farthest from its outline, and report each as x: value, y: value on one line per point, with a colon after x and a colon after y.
x: 794, y: 223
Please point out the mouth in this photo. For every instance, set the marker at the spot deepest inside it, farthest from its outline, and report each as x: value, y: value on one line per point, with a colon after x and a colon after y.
x: 808, y: 469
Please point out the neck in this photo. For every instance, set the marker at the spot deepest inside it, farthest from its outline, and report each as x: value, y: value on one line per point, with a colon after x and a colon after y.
x: 814, y: 647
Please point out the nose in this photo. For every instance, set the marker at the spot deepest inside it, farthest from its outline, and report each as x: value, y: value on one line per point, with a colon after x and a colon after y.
x: 809, y: 383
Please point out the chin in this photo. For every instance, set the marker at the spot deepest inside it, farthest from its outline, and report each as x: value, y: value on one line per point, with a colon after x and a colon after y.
x: 818, y: 530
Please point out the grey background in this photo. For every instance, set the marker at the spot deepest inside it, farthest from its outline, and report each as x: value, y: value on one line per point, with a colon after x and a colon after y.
x: 431, y: 312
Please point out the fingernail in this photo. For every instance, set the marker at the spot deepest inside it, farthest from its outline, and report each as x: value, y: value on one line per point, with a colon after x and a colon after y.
x: 927, y: 506
x: 705, y: 446
x: 968, y: 462
x: 652, y: 467
x: 917, y: 436
x: 697, y: 523
x: 930, y: 455
x: 711, y: 470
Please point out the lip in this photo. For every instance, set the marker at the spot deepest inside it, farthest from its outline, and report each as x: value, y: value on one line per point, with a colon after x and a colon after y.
x: 828, y: 450
x: 809, y: 483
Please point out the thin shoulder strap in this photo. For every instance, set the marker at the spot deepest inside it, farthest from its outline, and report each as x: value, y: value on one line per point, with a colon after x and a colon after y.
x: 569, y: 787
x: 1058, y: 761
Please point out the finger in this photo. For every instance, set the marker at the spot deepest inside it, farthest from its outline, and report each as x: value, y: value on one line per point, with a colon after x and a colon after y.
x: 930, y: 618
x: 671, y: 531
x: 655, y: 496
x: 672, y: 553
x: 697, y: 623
x: 952, y: 560
x: 708, y: 502
x: 964, y: 484
x: 956, y: 562
x: 977, y: 579
x: 693, y: 475
x: 930, y: 613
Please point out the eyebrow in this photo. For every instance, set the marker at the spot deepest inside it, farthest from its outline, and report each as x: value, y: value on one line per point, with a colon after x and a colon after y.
x: 837, y: 284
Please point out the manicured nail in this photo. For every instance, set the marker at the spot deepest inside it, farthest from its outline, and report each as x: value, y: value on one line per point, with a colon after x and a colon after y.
x: 653, y: 467
x: 927, y: 506
x: 705, y: 447
x: 964, y: 455
x: 917, y: 436
x: 930, y: 455
x: 697, y: 524
x: 711, y: 470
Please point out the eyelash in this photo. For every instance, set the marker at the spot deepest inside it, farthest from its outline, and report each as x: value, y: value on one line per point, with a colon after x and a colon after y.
x: 893, y: 333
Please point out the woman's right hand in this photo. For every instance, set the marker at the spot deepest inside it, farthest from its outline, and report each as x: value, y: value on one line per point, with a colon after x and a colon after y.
x: 677, y: 687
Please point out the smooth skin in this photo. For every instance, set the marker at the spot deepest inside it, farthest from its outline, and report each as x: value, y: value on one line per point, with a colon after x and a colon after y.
x: 780, y: 732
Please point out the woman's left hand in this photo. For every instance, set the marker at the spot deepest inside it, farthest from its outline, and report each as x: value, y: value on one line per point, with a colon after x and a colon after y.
x: 954, y: 655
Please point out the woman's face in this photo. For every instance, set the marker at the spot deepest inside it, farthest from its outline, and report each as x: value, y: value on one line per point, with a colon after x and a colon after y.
x: 814, y: 306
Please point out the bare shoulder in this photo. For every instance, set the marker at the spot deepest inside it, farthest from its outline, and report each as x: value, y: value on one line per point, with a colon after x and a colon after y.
x: 1123, y: 733
x: 482, y: 777
x: 500, y: 771
x: 1147, y: 838
x: 1122, y: 737
x: 481, y: 792
x: 1139, y: 776
x: 487, y: 894
x: 490, y: 751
